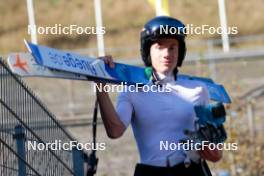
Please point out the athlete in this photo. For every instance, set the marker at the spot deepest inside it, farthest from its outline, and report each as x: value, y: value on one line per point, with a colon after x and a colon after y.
x: 160, y: 118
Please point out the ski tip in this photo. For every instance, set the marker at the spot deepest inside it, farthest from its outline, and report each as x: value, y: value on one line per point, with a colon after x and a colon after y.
x: 9, y: 63
x: 17, y: 63
x: 226, y: 97
x: 27, y: 45
x: 33, y: 49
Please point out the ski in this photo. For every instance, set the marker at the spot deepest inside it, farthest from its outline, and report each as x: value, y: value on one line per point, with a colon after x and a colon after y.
x: 24, y: 64
x: 88, y: 66
x: 54, y: 63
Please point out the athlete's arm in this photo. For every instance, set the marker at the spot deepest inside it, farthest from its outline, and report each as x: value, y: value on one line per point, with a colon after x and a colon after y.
x: 113, y: 125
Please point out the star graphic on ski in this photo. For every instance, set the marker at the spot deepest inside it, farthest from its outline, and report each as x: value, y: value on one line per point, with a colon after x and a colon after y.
x: 20, y: 64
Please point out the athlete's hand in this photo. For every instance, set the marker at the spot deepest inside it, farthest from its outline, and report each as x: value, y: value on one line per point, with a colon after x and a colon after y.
x: 108, y: 60
x: 211, y: 155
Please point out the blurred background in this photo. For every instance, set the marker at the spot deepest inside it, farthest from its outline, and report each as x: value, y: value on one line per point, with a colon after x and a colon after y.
x: 240, y: 69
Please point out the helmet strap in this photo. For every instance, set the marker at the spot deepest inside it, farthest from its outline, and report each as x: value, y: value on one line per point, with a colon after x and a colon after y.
x: 148, y: 72
x: 150, y: 75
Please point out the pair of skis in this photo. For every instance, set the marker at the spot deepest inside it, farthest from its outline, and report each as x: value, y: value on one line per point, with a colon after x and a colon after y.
x: 43, y: 61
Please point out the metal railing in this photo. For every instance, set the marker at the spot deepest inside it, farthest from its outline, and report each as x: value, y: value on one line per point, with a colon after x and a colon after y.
x: 24, y: 120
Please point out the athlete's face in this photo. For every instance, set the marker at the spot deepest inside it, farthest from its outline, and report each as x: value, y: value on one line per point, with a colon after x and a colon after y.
x: 164, y: 55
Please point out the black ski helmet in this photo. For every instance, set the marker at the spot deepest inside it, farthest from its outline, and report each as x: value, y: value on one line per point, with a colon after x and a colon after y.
x: 162, y: 27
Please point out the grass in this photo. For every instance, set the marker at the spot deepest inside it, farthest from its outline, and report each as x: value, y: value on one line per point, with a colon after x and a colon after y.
x: 123, y: 20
